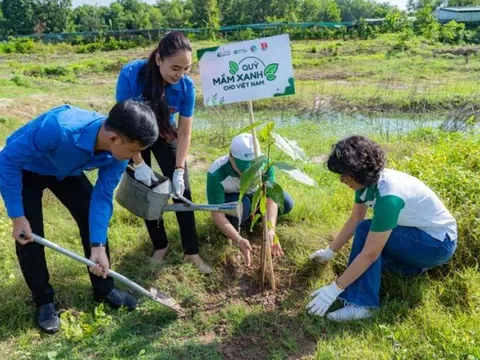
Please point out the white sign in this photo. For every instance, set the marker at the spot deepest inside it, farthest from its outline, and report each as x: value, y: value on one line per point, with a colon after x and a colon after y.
x: 247, y: 70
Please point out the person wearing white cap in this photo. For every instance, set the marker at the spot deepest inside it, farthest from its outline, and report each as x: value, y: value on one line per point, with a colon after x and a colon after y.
x: 223, y: 185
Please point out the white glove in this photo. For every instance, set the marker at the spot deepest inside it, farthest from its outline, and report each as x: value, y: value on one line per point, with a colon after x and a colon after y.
x: 144, y: 174
x: 322, y: 255
x: 323, y: 299
x: 178, y: 181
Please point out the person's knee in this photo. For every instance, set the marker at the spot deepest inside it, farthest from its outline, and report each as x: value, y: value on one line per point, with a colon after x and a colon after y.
x: 287, y: 203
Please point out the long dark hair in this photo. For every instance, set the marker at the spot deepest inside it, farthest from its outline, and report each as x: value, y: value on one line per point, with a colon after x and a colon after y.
x: 154, y: 84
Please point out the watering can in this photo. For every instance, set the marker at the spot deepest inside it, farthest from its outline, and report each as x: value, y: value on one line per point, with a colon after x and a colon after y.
x: 151, y: 202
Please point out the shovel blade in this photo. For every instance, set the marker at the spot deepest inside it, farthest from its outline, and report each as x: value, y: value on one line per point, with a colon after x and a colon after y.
x: 165, y: 300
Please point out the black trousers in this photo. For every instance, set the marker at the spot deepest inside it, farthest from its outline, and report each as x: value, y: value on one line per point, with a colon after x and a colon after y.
x: 74, y: 193
x: 165, y: 154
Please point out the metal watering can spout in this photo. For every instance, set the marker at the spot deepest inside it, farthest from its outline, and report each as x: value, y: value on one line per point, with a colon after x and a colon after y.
x: 151, y: 203
x: 232, y: 209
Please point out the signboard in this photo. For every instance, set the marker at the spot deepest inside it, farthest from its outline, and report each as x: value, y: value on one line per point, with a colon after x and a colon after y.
x: 247, y: 70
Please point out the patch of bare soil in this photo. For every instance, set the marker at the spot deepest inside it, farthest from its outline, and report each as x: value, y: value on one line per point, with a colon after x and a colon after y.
x: 275, y: 327
x: 28, y: 108
x: 465, y: 51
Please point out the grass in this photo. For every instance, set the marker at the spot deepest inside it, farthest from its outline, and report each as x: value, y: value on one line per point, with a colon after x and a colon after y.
x: 369, y: 75
x: 433, y: 316
x: 429, y: 317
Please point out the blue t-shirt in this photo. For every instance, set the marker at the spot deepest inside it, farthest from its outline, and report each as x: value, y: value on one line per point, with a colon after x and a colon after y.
x: 61, y: 143
x: 180, y: 96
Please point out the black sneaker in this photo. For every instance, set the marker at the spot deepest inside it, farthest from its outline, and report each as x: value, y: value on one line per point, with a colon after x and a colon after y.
x: 47, y: 318
x: 117, y: 298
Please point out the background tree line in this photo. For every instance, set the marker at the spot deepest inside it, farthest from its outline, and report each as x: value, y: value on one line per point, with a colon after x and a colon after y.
x: 20, y: 17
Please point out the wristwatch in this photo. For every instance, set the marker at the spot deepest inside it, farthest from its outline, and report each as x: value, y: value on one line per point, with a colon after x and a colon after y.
x: 92, y: 245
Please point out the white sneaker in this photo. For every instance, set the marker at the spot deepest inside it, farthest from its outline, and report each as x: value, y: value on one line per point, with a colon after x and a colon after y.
x: 349, y: 313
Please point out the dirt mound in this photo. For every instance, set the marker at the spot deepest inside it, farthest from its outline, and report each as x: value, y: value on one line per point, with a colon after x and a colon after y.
x: 242, y: 285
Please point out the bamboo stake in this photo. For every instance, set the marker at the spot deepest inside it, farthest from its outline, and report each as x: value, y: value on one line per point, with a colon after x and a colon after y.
x: 265, y: 254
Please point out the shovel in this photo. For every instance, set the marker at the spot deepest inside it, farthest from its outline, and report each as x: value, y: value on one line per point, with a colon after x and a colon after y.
x: 153, y: 294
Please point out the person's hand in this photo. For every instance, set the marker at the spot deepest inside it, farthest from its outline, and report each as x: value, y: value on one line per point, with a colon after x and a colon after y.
x: 276, y: 247
x: 21, y: 230
x: 323, y: 298
x: 99, y: 256
x: 322, y: 255
x: 178, y: 181
x: 144, y: 174
x: 246, y: 249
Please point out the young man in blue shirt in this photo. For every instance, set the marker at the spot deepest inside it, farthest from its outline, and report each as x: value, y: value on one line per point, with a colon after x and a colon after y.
x: 52, y: 152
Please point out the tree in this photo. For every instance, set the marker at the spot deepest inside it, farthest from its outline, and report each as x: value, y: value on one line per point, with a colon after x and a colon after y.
x: 90, y: 18
x: 329, y: 11
x: 233, y: 12
x: 206, y: 13
x: 19, y: 16
x: 419, y: 4
x: 352, y: 10
x: 116, y: 17
x: 176, y: 13
x: 308, y: 10
x: 425, y: 23
x: 52, y: 15
x: 3, y: 23
x: 463, y: 2
x: 452, y: 32
x: 395, y: 21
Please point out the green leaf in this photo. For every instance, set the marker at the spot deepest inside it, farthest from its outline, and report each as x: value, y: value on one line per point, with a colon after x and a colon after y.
x: 263, y: 204
x: 300, y: 176
x: 251, y: 175
x: 255, y: 200
x: 265, y: 133
x: 271, y: 69
x: 255, y: 220
x: 289, y: 147
x: 283, y: 166
x: 249, y: 128
x: 271, y: 77
x: 275, y: 192
x: 233, y: 67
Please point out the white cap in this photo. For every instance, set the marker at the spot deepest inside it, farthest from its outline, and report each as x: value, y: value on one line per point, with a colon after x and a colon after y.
x: 242, y: 147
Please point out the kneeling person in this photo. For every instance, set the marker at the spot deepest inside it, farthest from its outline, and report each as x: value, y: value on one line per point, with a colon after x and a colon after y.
x: 52, y: 152
x: 223, y: 186
x: 410, y: 232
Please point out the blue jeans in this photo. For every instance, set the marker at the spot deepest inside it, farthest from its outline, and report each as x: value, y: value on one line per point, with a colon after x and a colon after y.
x: 409, y: 251
x: 247, y: 206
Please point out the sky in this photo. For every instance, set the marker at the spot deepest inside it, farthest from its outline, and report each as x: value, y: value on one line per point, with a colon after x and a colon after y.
x: 400, y: 3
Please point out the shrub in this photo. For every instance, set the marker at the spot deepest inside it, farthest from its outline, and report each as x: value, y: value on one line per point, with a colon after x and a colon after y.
x: 450, y: 164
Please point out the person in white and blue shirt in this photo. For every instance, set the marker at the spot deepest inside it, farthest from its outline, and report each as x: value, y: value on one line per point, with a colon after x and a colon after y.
x: 53, y: 151
x: 163, y: 82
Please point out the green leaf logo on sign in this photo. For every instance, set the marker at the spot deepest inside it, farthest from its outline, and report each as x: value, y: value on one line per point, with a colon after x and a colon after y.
x: 233, y: 67
x: 270, y: 71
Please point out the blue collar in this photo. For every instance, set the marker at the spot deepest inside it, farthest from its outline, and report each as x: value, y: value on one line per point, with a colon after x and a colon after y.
x: 88, y: 138
x: 177, y: 86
